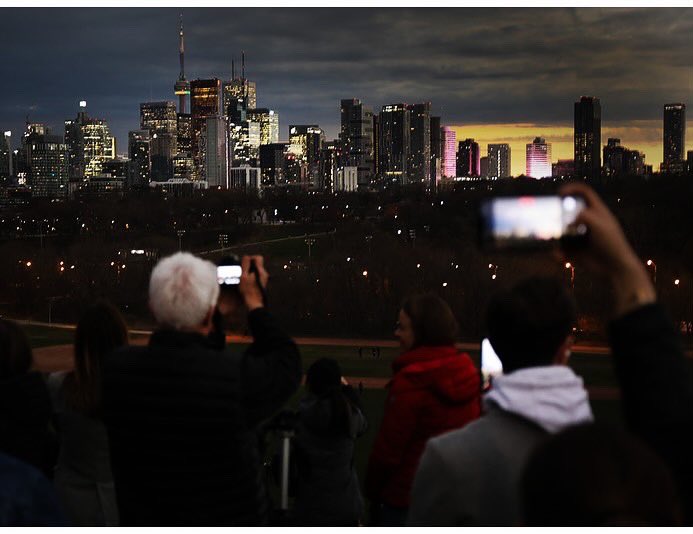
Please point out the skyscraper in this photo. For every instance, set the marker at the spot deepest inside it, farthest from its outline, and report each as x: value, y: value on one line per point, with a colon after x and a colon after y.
x: 538, y: 158
x: 498, y: 161
x: 140, y: 162
x: 183, y: 167
x: 420, y: 139
x: 216, y: 152
x: 240, y: 88
x: 356, y: 138
x: 587, y: 137
x: 89, y: 143
x: 268, y: 120
x: 310, y: 139
x: 47, y: 161
x: 618, y: 160
x: 161, y: 119
x: 395, y: 143
x: 449, y: 156
x: 182, y: 87
x: 468, y: 158
x: 205, y: 101
x: 5, y: 157
x: 436, y: 151
x: 674, y: 137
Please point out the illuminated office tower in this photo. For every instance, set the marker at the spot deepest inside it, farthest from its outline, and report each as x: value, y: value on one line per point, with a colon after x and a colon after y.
x: 538, y: 158
x: 268, y: 120
x: 356, y: 138
x: 47, y: 162
x: 183, y: 162
x: 674, y: 139
x: 205, y: 101
x: 468, y: 159
x: 449, y: 155
x: 240, y: 88
x: 5, y: 158
x: 216, y: 139
x: 244, y: 135
x: 587, y: 137
x: 182, y: 86
x: 140, y: 162
x: 395, y: 143
x: 89, y: 143
x: 310, y: 139
x: 160, y: 118
x: 498, y: 161
x: 436, y: 151
x: 420, y: 142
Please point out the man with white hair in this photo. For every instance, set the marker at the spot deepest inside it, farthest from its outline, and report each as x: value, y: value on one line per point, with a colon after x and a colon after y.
x: 181, y: 412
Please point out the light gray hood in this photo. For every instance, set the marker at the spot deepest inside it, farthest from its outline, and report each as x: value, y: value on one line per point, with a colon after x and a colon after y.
x: 552, y: 397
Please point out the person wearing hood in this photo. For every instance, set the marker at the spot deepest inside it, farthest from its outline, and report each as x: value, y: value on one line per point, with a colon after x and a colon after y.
x: 435, y: 388
x: 471, y: 476
x: 330, y: 418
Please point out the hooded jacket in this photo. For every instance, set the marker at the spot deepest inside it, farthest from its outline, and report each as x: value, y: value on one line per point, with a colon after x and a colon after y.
x: 433, y: 390
x: 327, y: 488
x: 471, y: 476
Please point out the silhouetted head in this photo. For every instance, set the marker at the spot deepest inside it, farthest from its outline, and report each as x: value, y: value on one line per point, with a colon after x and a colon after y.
x: 323, y: 377
x: 592, y: 475
x: 529, y: 324
x: 425, y: 321
x: 15, y: 351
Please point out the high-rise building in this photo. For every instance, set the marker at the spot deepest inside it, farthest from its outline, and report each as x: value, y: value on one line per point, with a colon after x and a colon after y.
x: 468, y: 158
x: 47, y: 162
x: 498, y: 161
x: 436, y: 151
x: 356, y: 138
x: 420, y: 140
x: 272, y: 163
x: 674, y: 139
x: 618, y: 160
x: 449, y: 156
x: 483, y: 167
x: 538, y: 158
x: 140, y: 162
x: 395, y: 143
x: 240, y: 88
x: 89, y: 143
x: 376, y: 144
x: 269, y: 124
x: 182, y: 86
x: 205, y: 101
x: 161, y: 119
x: 587, y: 137
x: 183, y: 168
x: 329, y: 163
x: 310, y: 139
x: 244, y: 138
x: 216, y: 139
x: 6, y: 172
x: 563, y: 168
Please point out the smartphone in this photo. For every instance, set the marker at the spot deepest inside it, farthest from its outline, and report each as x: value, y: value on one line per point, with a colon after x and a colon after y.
x: 229, y: 272
x: 530, y: 221
x: 491, y: 364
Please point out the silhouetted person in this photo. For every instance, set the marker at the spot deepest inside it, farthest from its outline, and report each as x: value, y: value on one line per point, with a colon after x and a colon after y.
x: 435, y: 388
x: 330, y: 418
x: 83, y: 475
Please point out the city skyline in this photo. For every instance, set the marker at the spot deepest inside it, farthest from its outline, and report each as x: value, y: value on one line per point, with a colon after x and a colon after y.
x: 466, y: 82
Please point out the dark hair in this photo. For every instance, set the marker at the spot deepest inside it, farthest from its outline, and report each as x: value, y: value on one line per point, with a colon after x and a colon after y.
x: 15, y: 351
x: 100, y: 330
x: 324, y: 380
x: 528, y: 323
x: 593, y: 475
x: 432, y: 320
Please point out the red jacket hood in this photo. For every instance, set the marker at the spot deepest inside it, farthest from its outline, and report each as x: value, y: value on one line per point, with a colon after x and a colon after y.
x: 451, y: 374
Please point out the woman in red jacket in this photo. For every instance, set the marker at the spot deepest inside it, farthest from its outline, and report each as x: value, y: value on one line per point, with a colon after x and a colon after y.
x: 434, y: 389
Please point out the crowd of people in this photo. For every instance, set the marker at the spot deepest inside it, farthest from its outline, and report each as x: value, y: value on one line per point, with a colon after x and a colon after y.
x: 173, y: 432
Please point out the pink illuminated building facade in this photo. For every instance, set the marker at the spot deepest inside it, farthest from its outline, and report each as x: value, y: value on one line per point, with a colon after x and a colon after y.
x: 539, y: 158
x: 449, y: 157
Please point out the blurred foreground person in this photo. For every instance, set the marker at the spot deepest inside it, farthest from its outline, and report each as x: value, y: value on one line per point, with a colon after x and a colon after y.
x: 83, y: 476
x: 26, y: 432
x: 435, y: 388
x: 591, y: 475
x: 470, y: 476
x: 330, y: 418
x: 181, y: 412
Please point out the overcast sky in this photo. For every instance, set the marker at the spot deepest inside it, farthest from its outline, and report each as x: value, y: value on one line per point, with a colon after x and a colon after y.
x: 494, y: 66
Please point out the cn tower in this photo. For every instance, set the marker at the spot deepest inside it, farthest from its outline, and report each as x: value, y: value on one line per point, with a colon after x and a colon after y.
x: 182, y: 87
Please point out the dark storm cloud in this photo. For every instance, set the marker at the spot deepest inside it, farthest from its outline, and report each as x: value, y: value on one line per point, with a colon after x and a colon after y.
x: 474, y: 65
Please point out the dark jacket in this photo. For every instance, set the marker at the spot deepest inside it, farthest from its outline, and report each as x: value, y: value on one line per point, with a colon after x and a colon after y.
x: 27, y: 499
x: 181, y: 415
x: 434, y: 390
x: 327, y: 488
x: 26, y: 432
x: 657, y: 391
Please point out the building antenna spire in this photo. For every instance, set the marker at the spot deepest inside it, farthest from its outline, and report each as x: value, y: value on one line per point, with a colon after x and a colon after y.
x: 233, y: 68
x: 181, y: 50
x: 243, y: 65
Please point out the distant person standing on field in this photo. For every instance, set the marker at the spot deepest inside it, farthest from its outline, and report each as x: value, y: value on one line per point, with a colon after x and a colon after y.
x: 435, y: 388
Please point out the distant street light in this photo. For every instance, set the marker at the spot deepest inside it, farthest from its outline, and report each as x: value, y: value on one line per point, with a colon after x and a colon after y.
x: 569, y: 265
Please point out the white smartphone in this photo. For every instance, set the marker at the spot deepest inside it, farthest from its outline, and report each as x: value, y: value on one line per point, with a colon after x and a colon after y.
x: 491, y: 364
